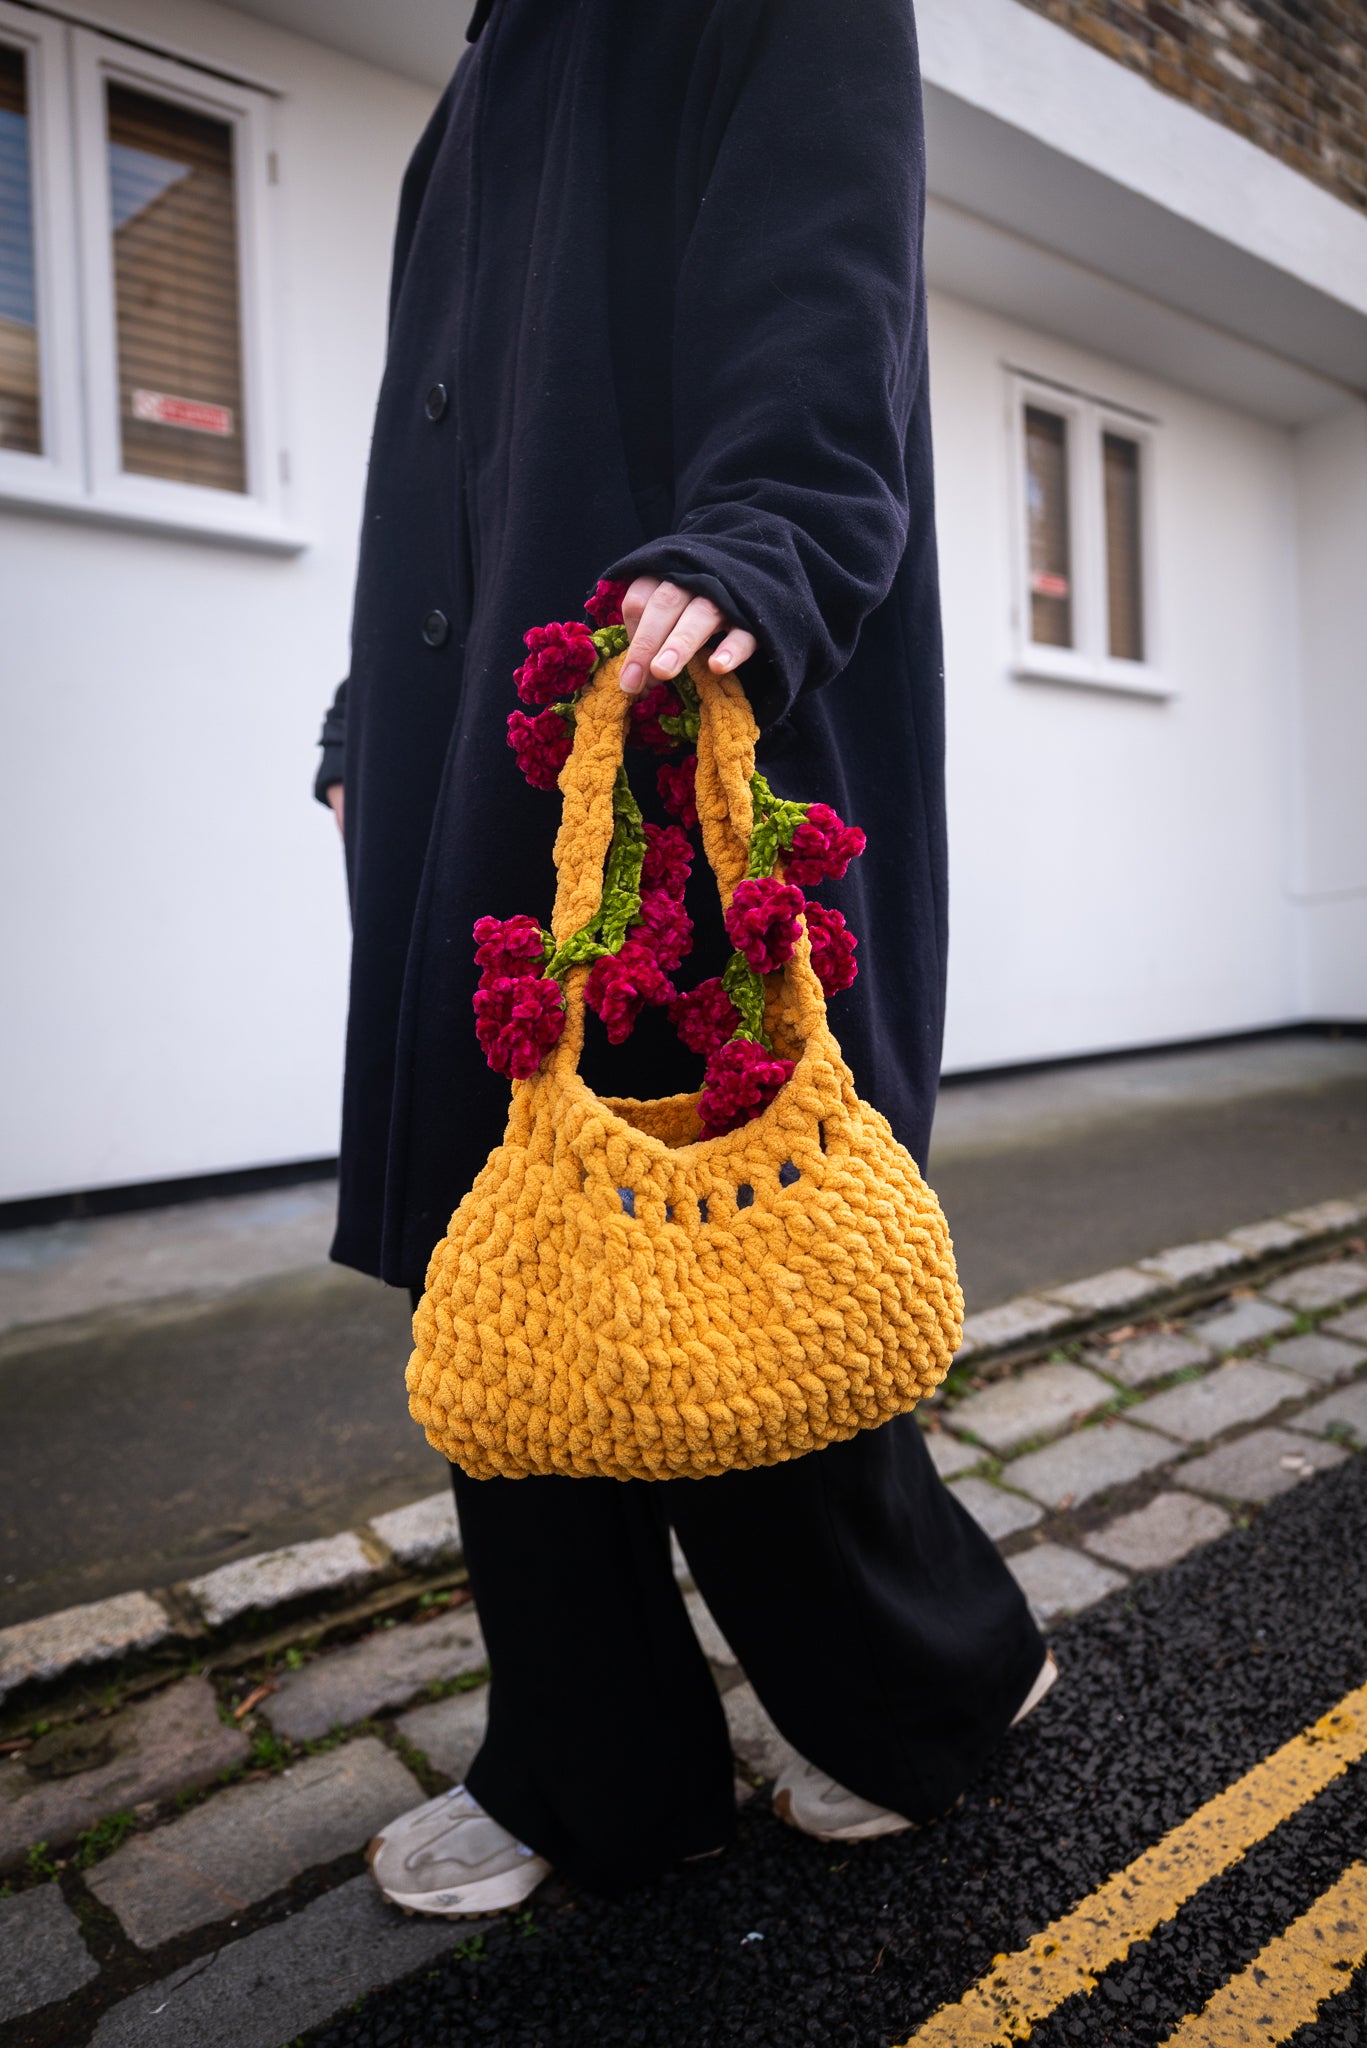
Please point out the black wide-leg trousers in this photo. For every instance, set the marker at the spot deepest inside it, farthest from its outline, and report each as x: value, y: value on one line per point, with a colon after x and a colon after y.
x: 874, y: 1618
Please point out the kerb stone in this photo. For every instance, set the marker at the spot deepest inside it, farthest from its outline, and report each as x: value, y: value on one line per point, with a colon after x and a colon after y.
x: 93, y: 1634
x: 1121, y: 1287
x: 1036, y: 1403
x: 1137, y: 1360
x: 1326, y: 1216
x: 1157, y: 1535
x: 423, y: 1535
x: 1000, y: 1513
x: 1318, y: 1357
x: 1182, y: 1264
x: 287, y: 1979
x: 330, y: 1565
x: 449, y: 1732
x: 1344, y: 1411
x: 42, y: 1955
x: 1015, y: 1322
x: 1256, y: 1467
x: 251, y: 1840
x: 1315, y: 1287
x: 1078, y: 1466
x: 173, y: 1742
x: 754, y: 1738
x: 1058, y: 1582
x: 387, y: 1669
x: 1277, y: 1234
x: 1232, y: 1394
x: 1245, y: 1322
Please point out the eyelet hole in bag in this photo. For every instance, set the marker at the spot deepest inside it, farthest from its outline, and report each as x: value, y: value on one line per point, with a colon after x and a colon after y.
x: 702, y: 1209
x: 669, y: 1212
x: 821, y: 1136
x: 745, y: 1195
x: 787, y: 1174
x: 628, y: 1197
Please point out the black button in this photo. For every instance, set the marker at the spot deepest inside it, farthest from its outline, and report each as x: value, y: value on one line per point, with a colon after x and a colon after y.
x: 435, y: 629
x: 438, y: 399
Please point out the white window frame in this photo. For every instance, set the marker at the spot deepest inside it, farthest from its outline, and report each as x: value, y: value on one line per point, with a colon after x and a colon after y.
x: 1088, y: 663
x: 74, y: 259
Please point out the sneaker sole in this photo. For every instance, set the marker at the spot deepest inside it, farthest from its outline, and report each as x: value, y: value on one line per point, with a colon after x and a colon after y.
x: 1044, y: 1683
x: 464, y: 1902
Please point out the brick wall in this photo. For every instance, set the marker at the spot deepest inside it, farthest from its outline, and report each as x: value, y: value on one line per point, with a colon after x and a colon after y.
x: 1291, y: 75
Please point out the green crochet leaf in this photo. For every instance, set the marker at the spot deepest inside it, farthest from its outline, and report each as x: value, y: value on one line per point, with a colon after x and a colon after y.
x: 684, y: 724
x: 746, y: 991
x: 776, y: 820
x: 610, y: 640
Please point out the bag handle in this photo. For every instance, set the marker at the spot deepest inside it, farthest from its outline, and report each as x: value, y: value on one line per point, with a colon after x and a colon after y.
x: 727, y: 734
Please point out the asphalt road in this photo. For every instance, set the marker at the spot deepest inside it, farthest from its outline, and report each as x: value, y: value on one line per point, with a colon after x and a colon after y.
x: 1171, y: 1692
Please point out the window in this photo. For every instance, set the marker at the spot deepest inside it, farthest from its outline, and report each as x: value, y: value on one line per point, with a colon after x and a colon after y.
x: 134, y: 379
x: 1085, y: 612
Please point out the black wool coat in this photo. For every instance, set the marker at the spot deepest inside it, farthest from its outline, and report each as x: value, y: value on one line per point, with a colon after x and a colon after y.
x: 657, y: 308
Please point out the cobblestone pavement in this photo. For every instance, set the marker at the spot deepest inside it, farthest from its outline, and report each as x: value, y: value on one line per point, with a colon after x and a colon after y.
x: 187, y: 1779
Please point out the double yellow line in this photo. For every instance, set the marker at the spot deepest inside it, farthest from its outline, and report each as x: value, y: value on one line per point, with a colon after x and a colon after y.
x: 1287, y: 1982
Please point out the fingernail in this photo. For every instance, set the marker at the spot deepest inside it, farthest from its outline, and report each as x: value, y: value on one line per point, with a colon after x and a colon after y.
x: 630, y: 678
x: 666, y: 661
x: 723, y: 661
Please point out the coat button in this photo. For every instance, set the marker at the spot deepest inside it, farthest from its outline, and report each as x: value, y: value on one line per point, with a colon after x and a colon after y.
x: 436, y: 403
x: 435, y: 629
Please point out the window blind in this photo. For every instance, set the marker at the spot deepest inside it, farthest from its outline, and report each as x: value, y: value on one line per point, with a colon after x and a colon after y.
x: 1048, y: 518
x: 1124, y: 553
x: 21, y: 426
x: 177, y: 294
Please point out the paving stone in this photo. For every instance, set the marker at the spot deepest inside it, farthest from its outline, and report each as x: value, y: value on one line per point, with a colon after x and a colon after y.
x: 173, y: 1742
x: 92, y: 1634
x: 1036, y: 1403
x: 1014, y: 1322
x: 1324, y: 1216
x: 1352, y: 1326
x: 994, y: 1509
x: 288, y: 1978
x: 42, y: 1955
x: 449, y: 1732
x: 1137, y: 1360
x: 275, y: 1576
x: 1318, y: 1357
x: 1121, y: 1287
x: 252, y: 1840
x: 1256, y: 1467
x: 1157, y: 1535
x: 1315, y: 1287
x: 1233, y: 1394
x: 754, y: 1738
x: 1088, y: 1462
x: 713, y: 1642
x: 1277, y: 1234
x: 949, y: 1456
x: 1344, y: 1410
x: 1241, y: 1323
x: 1058, y: 1582
x: 385, y: 1670
x: 1181, y: 1264
x: 423, y: 1535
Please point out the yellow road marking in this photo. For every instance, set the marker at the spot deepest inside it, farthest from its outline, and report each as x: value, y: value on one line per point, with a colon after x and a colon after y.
x: 1288, y: 1981
x: 1022, y: 1989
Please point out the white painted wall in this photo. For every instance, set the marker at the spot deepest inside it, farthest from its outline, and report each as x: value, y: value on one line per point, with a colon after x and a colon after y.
x: 1120, y: 868
x: 173, y: 926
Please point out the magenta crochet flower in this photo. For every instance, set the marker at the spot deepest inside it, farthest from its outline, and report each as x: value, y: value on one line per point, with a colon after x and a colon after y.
x: 659, y: 701
x: 823, y: 847
x: 742, y: 1079
x: 705, y: 1017
x: 509, y: 946
x: 665, y: 927
x: 559, y: 661
x: 668, y: 861
x: 677, y: 791
x: 621, y: 984
x: 518, y: 1018
x: 605, y: 606
x: 542, y: 745
x: 762, y: 922
x: 833, y: 945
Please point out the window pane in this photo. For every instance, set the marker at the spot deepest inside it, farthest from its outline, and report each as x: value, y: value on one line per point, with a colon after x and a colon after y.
x: 1051, y: 569
x: 174, y: 222
x: 20, y: 419
x: 1124, y: 561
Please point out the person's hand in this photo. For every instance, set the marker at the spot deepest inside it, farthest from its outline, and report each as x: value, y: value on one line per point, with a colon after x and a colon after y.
x: 333, y: 793
x: 668, y: 626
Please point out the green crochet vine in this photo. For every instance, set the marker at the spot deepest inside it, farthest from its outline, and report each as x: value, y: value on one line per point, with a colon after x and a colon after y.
x: 620, y: 904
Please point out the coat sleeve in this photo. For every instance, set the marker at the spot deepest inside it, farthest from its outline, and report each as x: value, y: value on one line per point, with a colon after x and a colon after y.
x: 332, y: 740
x: 799, y: 330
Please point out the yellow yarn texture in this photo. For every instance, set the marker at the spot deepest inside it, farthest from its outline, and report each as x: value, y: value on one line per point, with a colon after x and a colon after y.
x: 617, y: 1298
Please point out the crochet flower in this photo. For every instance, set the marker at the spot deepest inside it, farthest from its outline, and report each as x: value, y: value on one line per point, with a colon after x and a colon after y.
x: 676, y: 787
x: 605, y: 606
x: 823, y: 847
x: 621, y: 984
x: 705, y: 1017
x: 518, y: 1018
x: 542, y: 745
x: 833, y: 945
x: 507, y: 946
x: 762, y: 922
x: 742, y: 1079
x: 559, y: 661
x: 659, y: 701
x: 664, y: 927
x: 668, y: 859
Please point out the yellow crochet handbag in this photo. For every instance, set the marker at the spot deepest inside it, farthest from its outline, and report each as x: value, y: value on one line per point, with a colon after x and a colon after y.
x: 617, y: 1297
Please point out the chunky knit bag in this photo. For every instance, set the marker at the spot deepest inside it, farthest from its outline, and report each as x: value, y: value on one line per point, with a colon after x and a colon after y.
x: 618, y: 1297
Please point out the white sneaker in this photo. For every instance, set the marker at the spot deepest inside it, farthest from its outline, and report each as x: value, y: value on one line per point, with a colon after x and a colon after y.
x: 1048, y: 1672
x: 451, y: 1858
